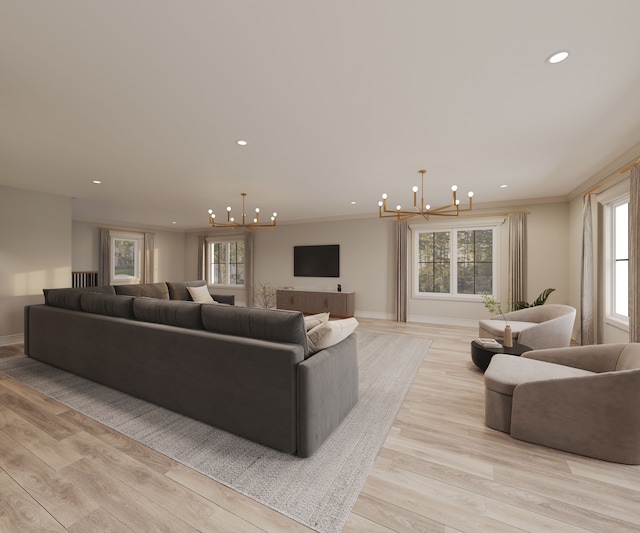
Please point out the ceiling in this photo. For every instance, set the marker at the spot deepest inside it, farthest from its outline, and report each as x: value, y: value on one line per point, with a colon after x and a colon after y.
x: 339, y: 100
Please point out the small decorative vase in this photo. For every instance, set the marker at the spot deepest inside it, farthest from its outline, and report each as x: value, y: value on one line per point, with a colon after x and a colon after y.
x: 508, y: 337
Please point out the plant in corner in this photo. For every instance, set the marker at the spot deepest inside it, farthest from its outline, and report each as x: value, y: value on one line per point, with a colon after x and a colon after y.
x: 264, y: 296
x: 540, y: 300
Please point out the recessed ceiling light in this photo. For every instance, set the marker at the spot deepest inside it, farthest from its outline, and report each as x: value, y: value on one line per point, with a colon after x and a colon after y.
x: 174, y: 222
x: 353, y: 202
x: 503, y: 186
x: 241, y: 143
x: 97, y: 182
x: 558, y: 57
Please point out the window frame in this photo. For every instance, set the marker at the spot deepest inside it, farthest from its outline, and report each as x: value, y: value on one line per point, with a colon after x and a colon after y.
x: 610, y: 200
x: 210, y: 243
x: 138, y: 240
x: 454, y: 226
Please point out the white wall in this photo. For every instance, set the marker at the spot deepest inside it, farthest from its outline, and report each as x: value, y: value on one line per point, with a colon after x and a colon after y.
x: 169, y: 254
x: 548, y: 252
x: 366, y: 260
x: 35, y: 253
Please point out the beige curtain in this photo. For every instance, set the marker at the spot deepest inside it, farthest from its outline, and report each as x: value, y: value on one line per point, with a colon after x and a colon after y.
x: 104, y: 264
x: 202, y: 257
x: 401, y: 271
x: 248, y: 267
x: 148, y: 258
x: 517, y: 247
x: 587, y: 278
x: 634, y: 256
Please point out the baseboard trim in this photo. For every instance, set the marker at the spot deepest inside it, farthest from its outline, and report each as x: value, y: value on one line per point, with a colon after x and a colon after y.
x: 374, y: 314
x: 444, y: 321
x: 6, y: 340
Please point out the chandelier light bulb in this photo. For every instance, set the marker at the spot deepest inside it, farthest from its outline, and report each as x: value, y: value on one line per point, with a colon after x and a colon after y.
x: 384, y: 196
x: 211, y: 211
x: 398, y: 208
x: 255, y: 220
x: 380, y: 203
x: 457, y: 202
x: 275, y: 214
x: 415, y: 188
x: 257, y: 209
x: 470, y: 194
x: 427, y: 207
x: 454, y: 188
x: 273, y: 218
x: 233, y: 219
x: 229, y: 208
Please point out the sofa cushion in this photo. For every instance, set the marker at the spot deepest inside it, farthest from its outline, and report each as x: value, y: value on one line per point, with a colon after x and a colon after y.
x: 201, y: 295
x: 151, y: 290
x: 178, y: 289
x: 107, y: 304
x: 329, y: 333
x: 311, y: 321
x: 506, y: 372
x: 275, y: 325
x: 495, y: 328
x: 65, y: 298
x: 170, y: 312
x: 629, y: 357
x: 69, y: 298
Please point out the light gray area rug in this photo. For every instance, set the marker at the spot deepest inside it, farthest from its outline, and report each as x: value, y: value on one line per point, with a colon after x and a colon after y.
x: 319, y: 491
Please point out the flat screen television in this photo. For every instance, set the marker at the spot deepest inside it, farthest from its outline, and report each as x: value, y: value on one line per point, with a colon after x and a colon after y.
x: 321, y: 261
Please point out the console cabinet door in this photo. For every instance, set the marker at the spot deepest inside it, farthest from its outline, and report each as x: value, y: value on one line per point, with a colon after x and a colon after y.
x: 338, y: 304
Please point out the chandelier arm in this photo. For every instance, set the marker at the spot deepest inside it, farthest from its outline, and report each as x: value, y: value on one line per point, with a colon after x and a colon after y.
x: 451, y: 210
x: 233, y: 224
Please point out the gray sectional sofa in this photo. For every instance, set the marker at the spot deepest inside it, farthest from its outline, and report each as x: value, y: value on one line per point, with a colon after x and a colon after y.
x: 246, y: 371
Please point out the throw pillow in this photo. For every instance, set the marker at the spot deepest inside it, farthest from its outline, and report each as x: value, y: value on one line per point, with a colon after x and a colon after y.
x: 311, y: 321
x: 201, y: 294
x: 330, y: 333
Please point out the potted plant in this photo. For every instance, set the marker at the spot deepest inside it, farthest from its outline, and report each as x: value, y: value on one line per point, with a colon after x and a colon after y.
x: 264, y: 296
x: 495, y: 307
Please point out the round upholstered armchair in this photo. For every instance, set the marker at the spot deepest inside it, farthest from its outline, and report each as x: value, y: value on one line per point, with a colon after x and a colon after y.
x: 542, y: 326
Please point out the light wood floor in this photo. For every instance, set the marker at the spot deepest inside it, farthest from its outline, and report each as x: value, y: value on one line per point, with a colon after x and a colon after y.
x: 440, y: 470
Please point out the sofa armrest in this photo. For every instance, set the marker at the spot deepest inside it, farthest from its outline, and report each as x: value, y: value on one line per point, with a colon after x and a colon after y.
x: 596, y: 415
x: 224, y: 298
x: 594, y: 358
x: 550, y: 334
x: 327, y: 390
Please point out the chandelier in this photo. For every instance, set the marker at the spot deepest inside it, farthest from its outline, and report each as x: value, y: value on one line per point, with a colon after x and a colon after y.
x: 231, y: 221
x: 424, y: 210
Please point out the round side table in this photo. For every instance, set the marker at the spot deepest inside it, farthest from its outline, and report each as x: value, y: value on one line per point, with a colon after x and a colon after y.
x: 481, y: 355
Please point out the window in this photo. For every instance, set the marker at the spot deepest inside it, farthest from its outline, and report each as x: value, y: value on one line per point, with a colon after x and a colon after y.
x: 126, y: 257
x: 617, y: 262
x: 457, y: 262
x: 475, y: 261
x: 226, y: 263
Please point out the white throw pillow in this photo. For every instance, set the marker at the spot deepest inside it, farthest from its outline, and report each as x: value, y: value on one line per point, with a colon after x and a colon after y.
x: 201, y: 294
x: 311, y: 321
x: 330, y: 333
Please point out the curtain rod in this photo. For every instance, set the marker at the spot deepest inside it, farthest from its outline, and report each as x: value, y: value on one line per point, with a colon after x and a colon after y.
x: 611, y: 176
x: 129, y: 230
